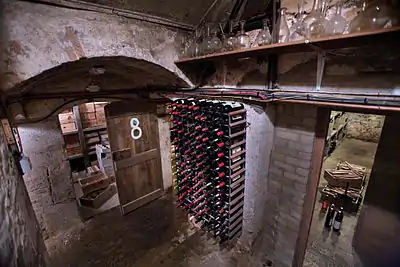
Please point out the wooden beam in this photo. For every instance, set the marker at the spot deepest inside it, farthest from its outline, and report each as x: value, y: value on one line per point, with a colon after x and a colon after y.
x: 321, y: 129
x: 141, y: 201
x: 136, y: 159
x: 81, y: 135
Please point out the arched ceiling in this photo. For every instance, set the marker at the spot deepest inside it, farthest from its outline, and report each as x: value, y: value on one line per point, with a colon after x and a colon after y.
x: 120, y: 73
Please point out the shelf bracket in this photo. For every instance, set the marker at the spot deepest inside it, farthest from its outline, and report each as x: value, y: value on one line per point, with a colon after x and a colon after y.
x: 321, y: 56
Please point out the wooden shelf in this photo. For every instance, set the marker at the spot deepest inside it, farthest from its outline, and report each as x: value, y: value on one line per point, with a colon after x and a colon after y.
x: 77, y: 156
x: 69, y: 133
x: 324, y: 43
x: 96, y: 128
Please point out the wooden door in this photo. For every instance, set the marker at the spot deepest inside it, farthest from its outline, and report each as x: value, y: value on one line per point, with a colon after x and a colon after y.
x: 134, y: 141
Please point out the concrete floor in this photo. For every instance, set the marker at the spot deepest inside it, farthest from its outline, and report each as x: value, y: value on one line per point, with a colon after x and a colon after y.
x: 327, y: 248
x: 157, y: 234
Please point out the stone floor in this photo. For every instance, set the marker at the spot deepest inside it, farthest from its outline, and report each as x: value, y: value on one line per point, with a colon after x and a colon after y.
x: 157, y: 234
x: 328, y: 248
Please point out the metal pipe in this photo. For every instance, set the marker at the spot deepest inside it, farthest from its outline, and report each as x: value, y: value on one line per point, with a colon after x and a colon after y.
x: 82, y: 5
x: 331, y: 93
x: 335, y: 105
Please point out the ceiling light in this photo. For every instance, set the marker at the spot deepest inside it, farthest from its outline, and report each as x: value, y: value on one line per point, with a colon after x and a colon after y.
x: 93, y: 88
x: 97, y: 70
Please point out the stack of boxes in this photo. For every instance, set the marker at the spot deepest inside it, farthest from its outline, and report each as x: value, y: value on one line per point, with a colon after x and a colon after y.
x: 92, y: 114
x: 67, y: 121
x: 69, y: 130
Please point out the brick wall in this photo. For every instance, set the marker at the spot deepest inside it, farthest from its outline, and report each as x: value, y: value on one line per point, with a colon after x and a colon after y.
x: 288, y: 176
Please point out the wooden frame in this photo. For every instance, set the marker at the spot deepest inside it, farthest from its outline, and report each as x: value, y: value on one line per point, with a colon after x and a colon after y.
x: 321, y: 129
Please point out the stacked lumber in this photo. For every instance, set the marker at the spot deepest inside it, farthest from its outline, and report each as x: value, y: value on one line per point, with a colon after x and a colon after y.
x: 346, y: 175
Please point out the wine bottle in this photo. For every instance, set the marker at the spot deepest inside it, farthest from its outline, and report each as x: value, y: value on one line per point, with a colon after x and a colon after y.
x: 329, y: 216
x: 337, y: 223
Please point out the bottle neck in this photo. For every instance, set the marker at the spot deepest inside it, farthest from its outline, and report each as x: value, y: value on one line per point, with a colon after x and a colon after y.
x: 265, y: 24
x: 317, y: 6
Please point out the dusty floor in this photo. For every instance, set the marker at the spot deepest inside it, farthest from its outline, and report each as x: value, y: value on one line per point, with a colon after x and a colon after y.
x: 157, y: 234
x: 327, y: 248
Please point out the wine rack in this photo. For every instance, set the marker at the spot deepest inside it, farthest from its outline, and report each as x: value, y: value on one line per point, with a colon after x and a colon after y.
x: 209, y: 144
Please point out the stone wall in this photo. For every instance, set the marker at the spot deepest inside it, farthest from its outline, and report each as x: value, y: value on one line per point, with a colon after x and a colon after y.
x: 21, y: 243
x: 288, y: 177
x: 376, y: 237
x: 366, y: 127
x: 48, y: 183
x: 259, y: 140
x: 40, y: 37
x: 165, y: 150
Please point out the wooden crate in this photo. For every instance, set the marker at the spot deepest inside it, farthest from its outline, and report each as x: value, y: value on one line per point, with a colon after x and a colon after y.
x: 68, y: 127
x: 335, y: 180
x: 87, y: 107
x: 100, y: 181
x: 74, y: 151
x: 66, y: 118
x: 97, y: 198
x: 89, y: 123
x: 88, y: 115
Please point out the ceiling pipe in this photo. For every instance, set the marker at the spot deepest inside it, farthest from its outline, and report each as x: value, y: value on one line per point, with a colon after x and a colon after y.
x: 85, y: 6
x: 343, y: 105
x: 278, y: 91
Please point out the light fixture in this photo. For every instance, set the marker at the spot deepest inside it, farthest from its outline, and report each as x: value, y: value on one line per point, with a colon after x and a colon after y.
x: 97, y: 70
x: 93, y: 88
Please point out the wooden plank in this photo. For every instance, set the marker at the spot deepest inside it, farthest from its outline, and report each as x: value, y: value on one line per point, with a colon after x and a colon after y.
x: 234, y: 217
x: 82, y: 140
x: 233, y: 124
x: 237, y: 144
x: 321, y: 129
x: 238, y: 173
x: 145, y: 156
x: 141, y: 201
x: 129, y: 107
x: 326, y: 42
x: 237, y: 134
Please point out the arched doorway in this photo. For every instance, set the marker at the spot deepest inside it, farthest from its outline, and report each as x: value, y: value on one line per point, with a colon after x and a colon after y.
x: 34, y: 105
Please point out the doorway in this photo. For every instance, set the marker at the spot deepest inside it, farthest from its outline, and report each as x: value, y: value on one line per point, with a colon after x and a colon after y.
x: 350, y: 146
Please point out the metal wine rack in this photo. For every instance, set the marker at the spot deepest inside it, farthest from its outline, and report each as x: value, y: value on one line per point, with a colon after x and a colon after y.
x: 210, y: 187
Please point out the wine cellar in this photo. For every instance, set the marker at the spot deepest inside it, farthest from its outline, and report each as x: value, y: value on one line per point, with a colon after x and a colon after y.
x: 209, y: 143
x: 200, y: 133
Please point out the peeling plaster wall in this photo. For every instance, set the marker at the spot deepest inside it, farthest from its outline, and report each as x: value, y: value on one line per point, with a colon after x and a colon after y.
x: 366, y: 127
x: 21, y: 243
x: 165, y: 148
x: 259, y: 141
x: 40, y: 37
x: 48, y: 183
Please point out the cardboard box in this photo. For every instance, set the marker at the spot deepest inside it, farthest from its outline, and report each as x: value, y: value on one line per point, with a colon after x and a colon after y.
x: 69, y: 127
x: 97, y: 198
